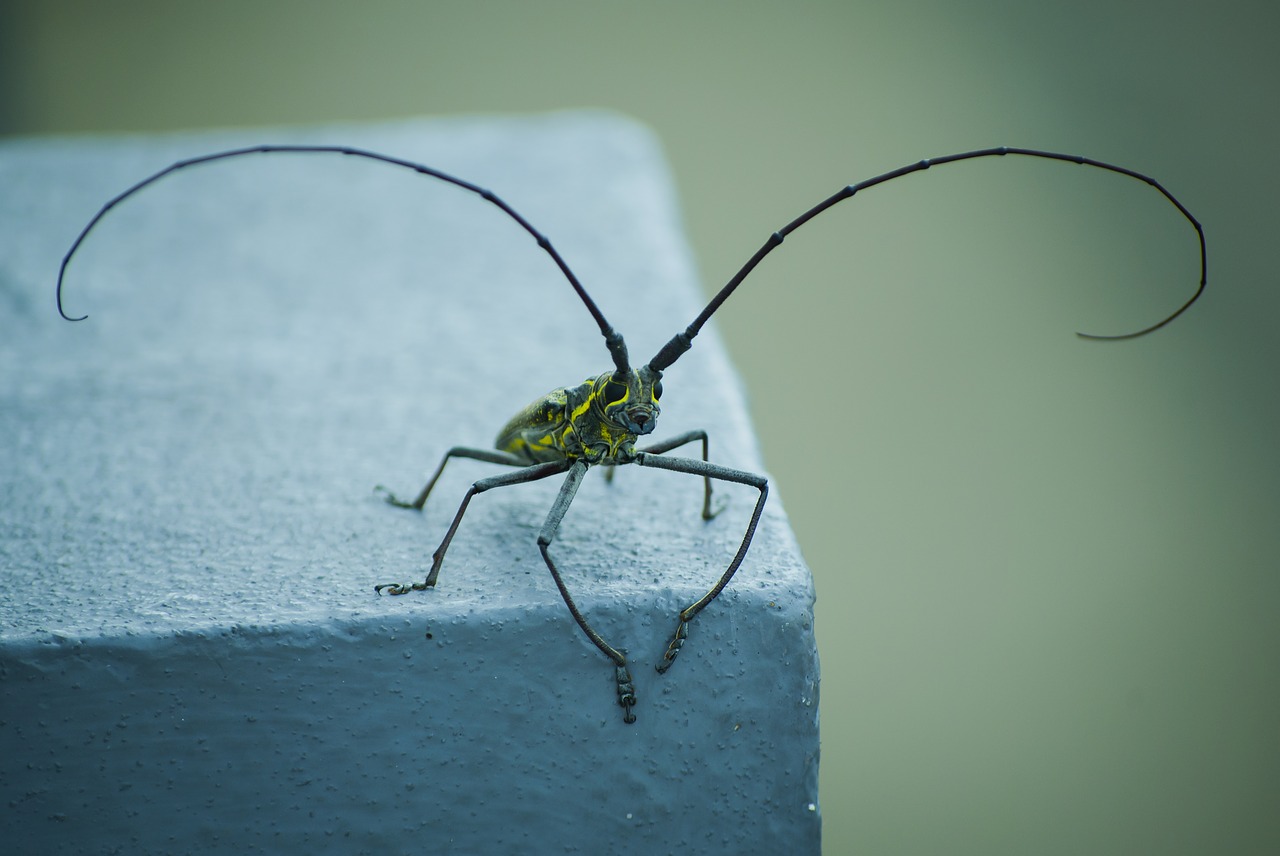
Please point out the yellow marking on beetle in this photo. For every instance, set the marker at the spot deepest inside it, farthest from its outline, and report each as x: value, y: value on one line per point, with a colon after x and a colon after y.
x: 582, y: 409
x: 564, y: 437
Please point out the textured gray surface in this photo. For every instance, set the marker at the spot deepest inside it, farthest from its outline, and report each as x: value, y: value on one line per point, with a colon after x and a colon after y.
x: 192, y: 655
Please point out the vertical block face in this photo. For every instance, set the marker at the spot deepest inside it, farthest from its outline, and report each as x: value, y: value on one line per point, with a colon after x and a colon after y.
x: 192, y: 655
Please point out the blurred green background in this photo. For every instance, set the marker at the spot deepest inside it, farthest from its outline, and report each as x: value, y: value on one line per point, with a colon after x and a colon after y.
x: 1046, y: 569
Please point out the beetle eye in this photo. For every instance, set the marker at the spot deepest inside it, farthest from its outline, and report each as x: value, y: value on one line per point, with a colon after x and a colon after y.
x: 614, y: 392
x: 657, y: 390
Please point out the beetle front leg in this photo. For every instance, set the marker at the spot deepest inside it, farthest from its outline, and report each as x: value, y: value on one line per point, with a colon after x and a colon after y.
x: 710, y: 471
x: 622, y: 676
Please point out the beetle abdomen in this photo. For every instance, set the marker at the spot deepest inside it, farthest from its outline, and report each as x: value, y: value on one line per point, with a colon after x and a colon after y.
x: 540, y: 431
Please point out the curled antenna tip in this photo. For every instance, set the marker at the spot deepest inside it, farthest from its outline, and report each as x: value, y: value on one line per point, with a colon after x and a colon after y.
x: 1154, y: 327
x: 1119, y: 337
x: 62, y: 311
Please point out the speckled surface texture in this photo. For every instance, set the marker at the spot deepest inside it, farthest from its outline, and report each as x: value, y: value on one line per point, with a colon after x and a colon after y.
x: 192, y: 656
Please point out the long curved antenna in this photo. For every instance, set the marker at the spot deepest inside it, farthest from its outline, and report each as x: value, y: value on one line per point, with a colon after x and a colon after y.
x: 613, y: 339
x: 682, y: 341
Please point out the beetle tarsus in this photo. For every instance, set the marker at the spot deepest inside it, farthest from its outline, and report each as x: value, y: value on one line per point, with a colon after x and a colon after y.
x: 677, y: 642
x: 392, y: 499
x: 400, y: 588
x: 626, y: 693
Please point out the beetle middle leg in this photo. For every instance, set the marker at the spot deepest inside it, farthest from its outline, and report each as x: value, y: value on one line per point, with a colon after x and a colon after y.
x: 489, y: 455
x: 675, y: 443
x: 521, y: 476
x: 709, y: 471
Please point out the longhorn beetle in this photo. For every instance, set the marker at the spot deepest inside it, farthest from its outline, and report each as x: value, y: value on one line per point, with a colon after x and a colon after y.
x: 597, y: 422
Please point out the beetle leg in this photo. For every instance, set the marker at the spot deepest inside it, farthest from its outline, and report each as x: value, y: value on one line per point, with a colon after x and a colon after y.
x: 528, y: 474
x: 680, y: 440
x: 490, y: 455
x: 626, y: 689
x: 711, y: 471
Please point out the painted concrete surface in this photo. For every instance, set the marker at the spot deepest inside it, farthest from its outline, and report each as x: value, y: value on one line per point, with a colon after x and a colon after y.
x: 192, y: 656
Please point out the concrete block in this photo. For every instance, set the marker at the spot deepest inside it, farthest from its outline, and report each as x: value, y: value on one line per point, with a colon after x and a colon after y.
x: 192, y: 655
